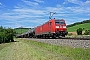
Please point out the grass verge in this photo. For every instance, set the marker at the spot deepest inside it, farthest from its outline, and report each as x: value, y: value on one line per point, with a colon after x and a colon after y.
x: 73, y: 53
x: 24, y: 49
x: 3, y: 45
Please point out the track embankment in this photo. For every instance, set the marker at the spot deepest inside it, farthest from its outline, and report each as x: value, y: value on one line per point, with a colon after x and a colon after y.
x: 72, y: 42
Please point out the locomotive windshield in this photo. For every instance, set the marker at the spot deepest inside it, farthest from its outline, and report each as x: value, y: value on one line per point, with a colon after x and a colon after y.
x: 59, y: 22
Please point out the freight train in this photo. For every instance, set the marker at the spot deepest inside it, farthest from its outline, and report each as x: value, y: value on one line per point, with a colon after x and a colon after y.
x: 51, y: 29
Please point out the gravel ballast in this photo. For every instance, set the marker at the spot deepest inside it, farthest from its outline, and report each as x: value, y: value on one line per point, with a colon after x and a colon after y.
x: 66, y: 42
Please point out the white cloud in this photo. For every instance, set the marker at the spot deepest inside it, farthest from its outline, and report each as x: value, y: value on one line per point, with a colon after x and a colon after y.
x: 79, y: 2
x: 87, y: 3
x: 27, y: 10
x: 27, y: 16
x: 53, y: 9
x: 0, y: 3
x: 39, y: 1
x: 30, y: 3
x: 73, y: 1
x: 65, y: 2
x: 88, y: 14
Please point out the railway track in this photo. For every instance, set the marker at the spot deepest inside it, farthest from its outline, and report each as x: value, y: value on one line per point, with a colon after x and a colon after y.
x: 81, y: 42
x: 71, y: 38
x: 76, y: 38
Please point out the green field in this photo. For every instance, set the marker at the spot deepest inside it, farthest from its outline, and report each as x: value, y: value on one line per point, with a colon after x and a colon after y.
x: 21, y: 30
x: 24, y: 49
x: 74, y: 28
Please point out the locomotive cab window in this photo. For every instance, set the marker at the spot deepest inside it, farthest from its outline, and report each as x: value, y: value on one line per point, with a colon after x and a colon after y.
x: 59, y: 22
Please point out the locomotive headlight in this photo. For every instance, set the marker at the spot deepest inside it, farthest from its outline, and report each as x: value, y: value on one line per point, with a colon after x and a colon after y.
x: 64, y: 26
x: 57, y: 26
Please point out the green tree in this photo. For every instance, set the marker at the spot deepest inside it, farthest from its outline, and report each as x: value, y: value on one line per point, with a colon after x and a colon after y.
x: 1, y: 34
x: 6, y: 35
x: 1, y: 38
x: 79, y: 31
x: 10, y: 33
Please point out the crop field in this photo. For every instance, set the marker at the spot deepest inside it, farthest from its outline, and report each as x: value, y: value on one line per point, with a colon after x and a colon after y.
x: 23, y: 49
x: 21, y: 30
x: 74, y: 28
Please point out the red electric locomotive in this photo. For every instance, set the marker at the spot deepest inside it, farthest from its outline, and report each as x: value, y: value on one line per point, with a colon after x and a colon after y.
x: 53, y: 28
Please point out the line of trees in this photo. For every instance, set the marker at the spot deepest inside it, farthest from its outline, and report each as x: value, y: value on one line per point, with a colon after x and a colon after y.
x: 85, y: 21
x: 6, y: 35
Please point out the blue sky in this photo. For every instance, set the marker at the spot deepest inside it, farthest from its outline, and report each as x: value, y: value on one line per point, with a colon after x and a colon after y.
x: 31, y: 13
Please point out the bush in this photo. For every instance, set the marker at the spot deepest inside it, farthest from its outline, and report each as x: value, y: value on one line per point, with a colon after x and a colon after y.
x: 6, y: 35
x: 87, y: 32
x: 79, y: 31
